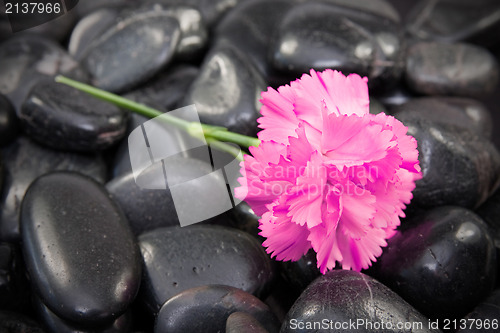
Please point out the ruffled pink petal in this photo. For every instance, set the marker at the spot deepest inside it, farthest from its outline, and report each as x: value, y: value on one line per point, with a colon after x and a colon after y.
x: 326, y: 247
x: 358, y: 254
x: 358, y: 208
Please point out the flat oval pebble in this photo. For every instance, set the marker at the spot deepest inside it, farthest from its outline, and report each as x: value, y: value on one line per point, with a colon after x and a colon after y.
x: 206, y: 309
x: 9, y: 124
x: 81, y: 256
x: 466, y: 113
x: 460, y: 69
x: 348, y: 301
x: 132, y: 50
x: 62, y: 117
x: 227, y: 91
x: 24, y: 161
x: 25, y: 59
x: 323, y: 35
x: 52, y: 322
x: 443, y: 262
x: 459, y: 167
x: 242, y: 322
x: 176, y: 259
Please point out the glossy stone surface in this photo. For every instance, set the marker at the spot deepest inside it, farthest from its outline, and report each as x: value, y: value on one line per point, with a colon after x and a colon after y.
x: 53, y: 323
x: 177, y: 259
x: 487, y: 311
x: 62, y: 117
x: 451, y: 69
x: 299, y: 274
x: 206, y: 309
x: 322, y: 35
x: 443, y: 262
x: 227, y: 91
x: 489, y: 211
x: 343, y: 296
x: 466, y: 113
x: 25, y: 59
x: 24, y: 161
x: 242, y: 322
x: 251, y: 27
x: 132, y: 50
x: 9, y: 124
x: 12, y: 322
x: 452, y: 20
x: 459, y: 167
x: 14, y: 288
x: 150, y: 208
x: 81, y: 256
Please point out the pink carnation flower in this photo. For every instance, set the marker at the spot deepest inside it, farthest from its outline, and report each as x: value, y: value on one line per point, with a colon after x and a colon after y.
x: 328, y: 175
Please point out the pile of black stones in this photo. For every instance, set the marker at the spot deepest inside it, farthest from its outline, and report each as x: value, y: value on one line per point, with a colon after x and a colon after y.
x: 84, y: 249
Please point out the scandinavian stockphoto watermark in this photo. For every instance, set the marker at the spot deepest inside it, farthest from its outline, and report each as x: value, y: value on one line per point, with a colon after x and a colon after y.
x: 155, y: 148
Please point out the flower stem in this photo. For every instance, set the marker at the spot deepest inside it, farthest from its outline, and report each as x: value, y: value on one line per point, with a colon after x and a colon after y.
x: 215, y: 133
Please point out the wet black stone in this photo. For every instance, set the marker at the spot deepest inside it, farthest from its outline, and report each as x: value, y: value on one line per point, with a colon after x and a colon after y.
x: 487, y: 312
x: 443, y: 262
x: 342, y: 296
x: 24, y: 161
x: 11, y: 322
x: 9, y: 124
x: 242, y: 322
x: 323, y: 35
x: 380, y: 8
x: 395, y: 96
x: 465, y: 113
x: 227, y: 91
x: 53, y: 323
x: 14, y: 288
x: 452, y: 21
x: 81, y: 256
x: 299, y: 274
x: 62, y: 117
x: 206, y: 309
x: 178, y: 258
x: 451, y: 69
x: 489, y: 211
x: 131, y: 50
x: 245, y: 219
x: 251, y: 27
x: 459, y: 167
x: 150, y: 208
x: 25, y: 59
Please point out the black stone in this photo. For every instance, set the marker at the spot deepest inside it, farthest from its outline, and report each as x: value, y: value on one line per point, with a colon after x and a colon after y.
x: 452, y: 21
x: 25, y: 160
x: 81, y: 256
x: 11, y: 322
x: 53, y: 323
x: 227, y: 91
x: 242, y: 322
x: 245, y: 219
x: 323, y: 35
x: 25, y: 59
x: 461, y: 69
x: 490, y: 213
x: 376, y: 107
x: 9, y: 124
x: 380, y: 8
x: 65, y: 118
x: 346, y: 296
x: 466, y: 113
x: 299, y: 274
x: 14, y: 288
x: 131, y: 50
x: 251, y: 27
x: 150, y: 208
x: 486, y: 313
x: 177, y: 259
x: 459, y: 167
x: 443, y: 262
x: 206, y: 309
x: 395, y: 96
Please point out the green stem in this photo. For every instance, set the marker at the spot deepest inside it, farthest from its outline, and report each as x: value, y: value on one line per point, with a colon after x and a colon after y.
x: 214, y: 132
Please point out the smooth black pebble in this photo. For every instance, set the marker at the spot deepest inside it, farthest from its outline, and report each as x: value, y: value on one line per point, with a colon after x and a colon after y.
x: 443, y: 262
x: 176, y: 259
x: 242, y: 322
x: 62, y: 117
x: 9, y: 123
x: 460, y: 69
x: 227, y: 90
x: 206, y: 309
x: 25, y: 160
x: 485, y: 317
x: 82, y: 258
x: 341, y: 297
